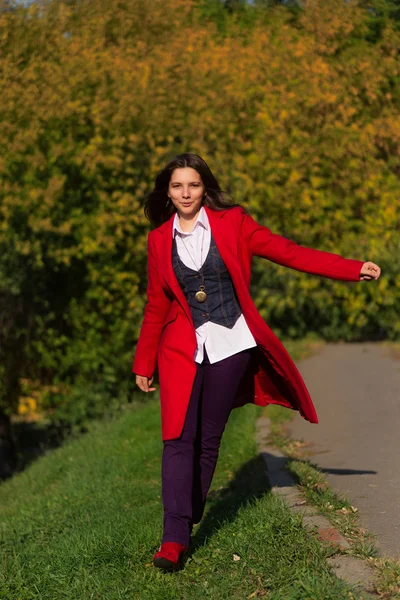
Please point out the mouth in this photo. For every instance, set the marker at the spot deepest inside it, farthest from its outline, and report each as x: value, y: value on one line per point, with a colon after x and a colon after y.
x: 186, y: 203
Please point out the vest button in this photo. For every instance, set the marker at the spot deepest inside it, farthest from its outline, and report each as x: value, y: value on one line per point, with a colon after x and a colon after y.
x: 206, y: 314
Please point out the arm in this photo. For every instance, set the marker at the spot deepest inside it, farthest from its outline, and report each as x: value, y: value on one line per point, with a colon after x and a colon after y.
x: 262, y: 242
x: 155, y: 313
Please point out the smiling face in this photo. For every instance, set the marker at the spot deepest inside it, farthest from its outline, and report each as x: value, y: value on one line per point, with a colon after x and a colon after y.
x: 186, y: 191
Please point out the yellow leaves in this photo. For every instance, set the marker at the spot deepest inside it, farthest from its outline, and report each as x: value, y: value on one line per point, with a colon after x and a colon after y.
x: 316, y: 182
x: 89, y: 246
x: 27, y: 405
x: 40, y: 225
x: 294, y: 176
x: 283, y: 114
x: 24, y: 247
x: 253, y: 159
x: 281, y: 119
x: 54, y: 190
x: 330, y: 21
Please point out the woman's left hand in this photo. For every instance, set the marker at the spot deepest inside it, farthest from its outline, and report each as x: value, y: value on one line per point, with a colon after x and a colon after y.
x: 369, y: 271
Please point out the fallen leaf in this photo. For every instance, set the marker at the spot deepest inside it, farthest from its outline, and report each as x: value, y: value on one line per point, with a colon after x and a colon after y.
x: 321, y: 485
x: 236, y: 557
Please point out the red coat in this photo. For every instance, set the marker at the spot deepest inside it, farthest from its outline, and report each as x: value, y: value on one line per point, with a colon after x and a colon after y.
x: 168, y: 338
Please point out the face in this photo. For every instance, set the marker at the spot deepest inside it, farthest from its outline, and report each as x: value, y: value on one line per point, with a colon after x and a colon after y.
x: 186, y: 191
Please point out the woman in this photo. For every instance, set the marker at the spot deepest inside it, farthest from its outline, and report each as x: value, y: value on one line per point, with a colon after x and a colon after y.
x: 213, y: 350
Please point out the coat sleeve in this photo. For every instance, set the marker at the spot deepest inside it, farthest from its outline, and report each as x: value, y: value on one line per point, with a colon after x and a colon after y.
x: 155, y: 312
x: 262, y: 242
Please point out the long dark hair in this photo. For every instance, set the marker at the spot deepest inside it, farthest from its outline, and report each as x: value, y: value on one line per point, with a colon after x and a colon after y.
x: 158, y: 208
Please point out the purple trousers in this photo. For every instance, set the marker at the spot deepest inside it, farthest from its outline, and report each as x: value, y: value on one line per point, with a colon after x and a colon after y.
x: 188, y: 462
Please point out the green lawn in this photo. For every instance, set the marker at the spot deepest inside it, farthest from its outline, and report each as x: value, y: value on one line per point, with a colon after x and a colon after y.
x: 83, y: 522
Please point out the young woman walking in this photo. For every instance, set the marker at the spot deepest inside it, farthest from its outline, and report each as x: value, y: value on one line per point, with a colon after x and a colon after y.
x: 201, y: 328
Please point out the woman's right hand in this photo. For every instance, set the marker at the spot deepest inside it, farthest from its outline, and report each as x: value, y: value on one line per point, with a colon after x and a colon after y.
x: 144, y: 383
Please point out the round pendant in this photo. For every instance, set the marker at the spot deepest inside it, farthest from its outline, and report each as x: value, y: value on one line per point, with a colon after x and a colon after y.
x: 200, y: 295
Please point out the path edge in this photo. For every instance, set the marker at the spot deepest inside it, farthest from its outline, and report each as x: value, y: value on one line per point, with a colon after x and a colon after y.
x: 353, y: 570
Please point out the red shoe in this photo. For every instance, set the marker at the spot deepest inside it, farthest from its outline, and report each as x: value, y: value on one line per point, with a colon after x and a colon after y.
x: 168, y: 556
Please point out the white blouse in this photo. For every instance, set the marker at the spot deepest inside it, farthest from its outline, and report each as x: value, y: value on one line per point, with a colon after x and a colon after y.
x: 220, y: 341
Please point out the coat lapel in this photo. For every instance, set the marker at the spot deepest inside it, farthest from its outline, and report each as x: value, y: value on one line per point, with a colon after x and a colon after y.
x: 223, y: 239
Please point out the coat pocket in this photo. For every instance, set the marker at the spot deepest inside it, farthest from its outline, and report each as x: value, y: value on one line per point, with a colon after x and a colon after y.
x: 171, y: 316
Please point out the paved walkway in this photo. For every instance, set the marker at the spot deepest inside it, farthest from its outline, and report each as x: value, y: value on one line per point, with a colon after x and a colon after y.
x: 356, y: 392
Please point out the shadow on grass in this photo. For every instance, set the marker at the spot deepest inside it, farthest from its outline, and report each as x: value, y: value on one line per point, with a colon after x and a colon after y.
x: 249, y: 483
x: 31, y: 441
x: 26, y: 443
x: 34, y: 440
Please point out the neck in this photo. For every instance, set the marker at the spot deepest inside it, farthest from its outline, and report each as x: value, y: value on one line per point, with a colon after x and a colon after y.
x: 187, y: 221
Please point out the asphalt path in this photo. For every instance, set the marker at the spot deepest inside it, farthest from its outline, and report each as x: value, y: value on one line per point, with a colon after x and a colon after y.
x: 356, y: 390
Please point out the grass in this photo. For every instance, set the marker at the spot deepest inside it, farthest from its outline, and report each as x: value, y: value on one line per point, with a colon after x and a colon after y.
x: 300, y: 349
x: 83, y: 521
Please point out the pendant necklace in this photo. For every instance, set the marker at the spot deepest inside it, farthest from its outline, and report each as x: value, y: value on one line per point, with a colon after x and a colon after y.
x: 201, y: 294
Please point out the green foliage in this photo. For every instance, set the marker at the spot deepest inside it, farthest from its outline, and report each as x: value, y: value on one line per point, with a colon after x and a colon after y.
x: 296, y: 111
